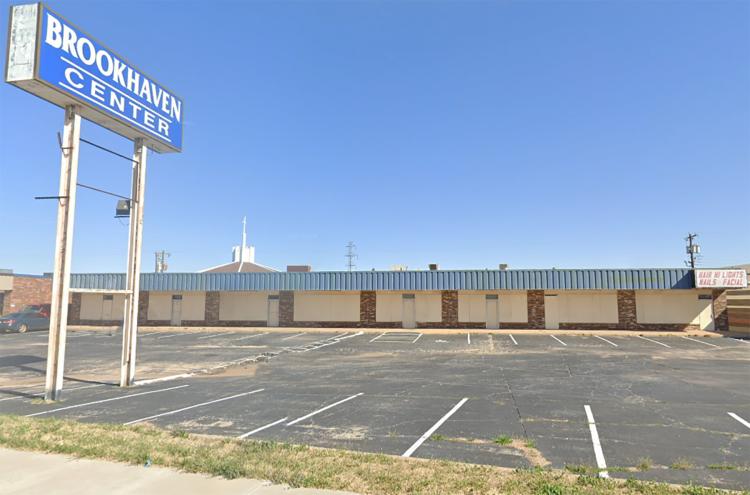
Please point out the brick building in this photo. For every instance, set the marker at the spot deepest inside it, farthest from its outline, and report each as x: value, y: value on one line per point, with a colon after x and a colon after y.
x: 17, y: 291
x: 631, y: 299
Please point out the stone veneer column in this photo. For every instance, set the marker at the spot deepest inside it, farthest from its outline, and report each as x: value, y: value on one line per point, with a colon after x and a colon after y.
x: 721, y: 317
x: 143, y: 307
x: 626, y: 315
x: 367, y: 307
x: 286, y: 308
x: 450, y: 308
x: 212, y: 307
x: 535, y: 308
x: 74, y: 309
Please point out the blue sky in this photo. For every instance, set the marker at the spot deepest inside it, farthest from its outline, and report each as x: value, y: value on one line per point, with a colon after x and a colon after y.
x: 582, y: 134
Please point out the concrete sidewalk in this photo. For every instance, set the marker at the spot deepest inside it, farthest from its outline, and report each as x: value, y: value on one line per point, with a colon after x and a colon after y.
x: 31, y: 472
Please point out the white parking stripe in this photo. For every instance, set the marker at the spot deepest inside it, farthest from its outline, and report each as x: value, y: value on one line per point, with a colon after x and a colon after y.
x: 41, y: 395
x: 251, y: 336
x: 418, y: 337
x: 292, y: 336
x: 323, y: 409
x: 563, y: 343
x: 211, y: 336
x: 169, y: 335
x: 193, y: 407
x: 432, y: 430
x: 605, y: 340
x: 468, y: 338
x: 514, y: 340
x: 600, y: 462
x: 654, y: 341
x: 700, y: 341
x: 245, y: 435
x: 377, y: 337
x: 740, y: 340
x: 106, y: 400
x: 739, y: 419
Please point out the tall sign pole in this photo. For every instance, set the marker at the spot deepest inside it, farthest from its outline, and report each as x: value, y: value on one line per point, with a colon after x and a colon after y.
x: 63, y: 250
x: 132, y: 276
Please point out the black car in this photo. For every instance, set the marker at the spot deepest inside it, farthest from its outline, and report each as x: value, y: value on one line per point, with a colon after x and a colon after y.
x: 23, y: 321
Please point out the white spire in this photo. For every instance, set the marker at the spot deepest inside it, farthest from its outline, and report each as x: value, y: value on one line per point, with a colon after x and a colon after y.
x: 244, y: 243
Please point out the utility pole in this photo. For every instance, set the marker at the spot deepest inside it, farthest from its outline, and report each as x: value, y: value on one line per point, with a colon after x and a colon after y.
x: 351, y: 255
x: 133, y: 274
x: 693, y: 251
x: 58, y: 325
x: 161, y: 261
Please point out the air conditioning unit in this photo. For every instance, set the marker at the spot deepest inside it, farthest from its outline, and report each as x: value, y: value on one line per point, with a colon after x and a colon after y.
x: 434, y: 266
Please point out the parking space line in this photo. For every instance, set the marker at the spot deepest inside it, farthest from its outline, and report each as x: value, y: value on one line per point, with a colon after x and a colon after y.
x: 747, y: 424
x: 513, y: 339
x: 293, y: 336
x: 377, y: 337
x: 251, y: 337
x: 434, y: 427
x: 193, y: 407
x: 211, y: 336
x: 600, y: 462
x: 605, y: 340
x: 302, y: 418
x: 563, y: 343
x: 654, y: 341
x: 741, y: 340
x: 418, y: 337
x: 468, y: 338
x: 168, y: 336
x: 245, y: 435
x: 106, y: 400
x: 700, y: 342
x: 41, y: 395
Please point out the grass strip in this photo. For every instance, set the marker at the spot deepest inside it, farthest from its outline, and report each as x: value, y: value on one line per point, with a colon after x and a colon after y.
x: 303, y: 466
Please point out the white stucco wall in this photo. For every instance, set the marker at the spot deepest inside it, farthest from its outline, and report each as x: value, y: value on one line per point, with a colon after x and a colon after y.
x: 326, y: 306
x: 472, y: 307
x: 92, y: 307
x: 673, y: 306
x: 428, y: 307
x: 193, y: 305
x: 243, y: 306
x: 388, y: 307
x: 587, y: 307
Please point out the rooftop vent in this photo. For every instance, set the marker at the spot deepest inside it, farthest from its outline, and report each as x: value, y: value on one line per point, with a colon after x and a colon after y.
x: 503, y: 266
x: 298, y: 268
x: 434, y: 266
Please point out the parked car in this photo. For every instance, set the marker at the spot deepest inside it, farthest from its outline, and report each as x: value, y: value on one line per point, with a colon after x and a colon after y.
x: 24, y: 320
x: 44, y: 309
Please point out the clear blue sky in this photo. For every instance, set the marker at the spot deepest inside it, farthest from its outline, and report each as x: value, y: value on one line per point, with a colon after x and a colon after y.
x: 582, y: 134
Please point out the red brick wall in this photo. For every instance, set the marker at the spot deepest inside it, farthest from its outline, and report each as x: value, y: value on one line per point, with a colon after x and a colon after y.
x: 27, y: 290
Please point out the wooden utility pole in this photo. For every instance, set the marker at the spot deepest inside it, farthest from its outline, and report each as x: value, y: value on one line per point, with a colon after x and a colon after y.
x: 132, y: 276
x: 58, y: 324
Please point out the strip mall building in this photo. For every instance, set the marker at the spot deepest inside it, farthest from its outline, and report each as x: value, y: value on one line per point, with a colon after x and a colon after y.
x: 630, y: 299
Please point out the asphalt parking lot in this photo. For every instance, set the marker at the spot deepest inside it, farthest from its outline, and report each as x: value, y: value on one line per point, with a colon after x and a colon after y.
x: 671, y: 408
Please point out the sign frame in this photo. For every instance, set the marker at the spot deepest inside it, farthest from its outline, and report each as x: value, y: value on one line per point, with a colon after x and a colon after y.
x: 47, y: 91
x: 717, y: 279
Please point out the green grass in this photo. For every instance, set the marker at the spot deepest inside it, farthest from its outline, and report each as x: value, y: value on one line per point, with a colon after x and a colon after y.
x: 644, y: 464
x: 503, y: 440
x: 681, y: 463
x: 303, y: 466
x: 437, y: 437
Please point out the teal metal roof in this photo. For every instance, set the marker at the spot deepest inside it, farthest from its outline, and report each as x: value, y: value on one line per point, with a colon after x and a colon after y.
x: 595, y: 279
